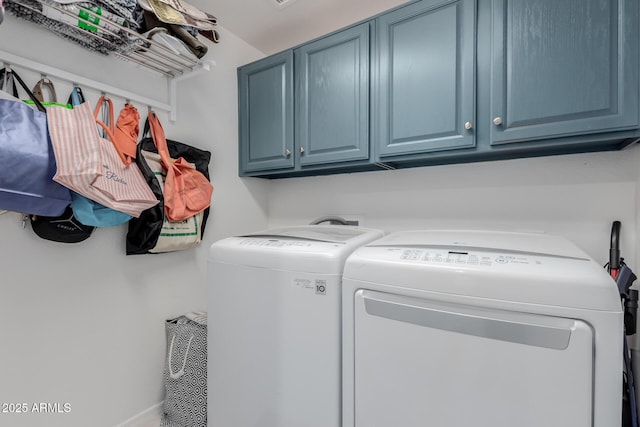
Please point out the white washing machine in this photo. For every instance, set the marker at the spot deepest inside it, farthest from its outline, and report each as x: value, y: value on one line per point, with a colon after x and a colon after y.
x: 274, y: 326
x: 483, y: 329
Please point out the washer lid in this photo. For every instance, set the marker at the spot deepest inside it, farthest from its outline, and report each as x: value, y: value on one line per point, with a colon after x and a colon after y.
x: 308, y: 248
x: 318, y: 233
x: 518, y: 267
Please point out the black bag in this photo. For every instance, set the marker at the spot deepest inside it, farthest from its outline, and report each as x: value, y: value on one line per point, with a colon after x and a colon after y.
x: 144, y: 231
x: 64, y: 228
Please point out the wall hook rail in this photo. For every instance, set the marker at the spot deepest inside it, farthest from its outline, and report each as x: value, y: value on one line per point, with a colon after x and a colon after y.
x: 10, y: 59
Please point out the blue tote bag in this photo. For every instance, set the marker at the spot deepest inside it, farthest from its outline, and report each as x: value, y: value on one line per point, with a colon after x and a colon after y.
x: 27, y: 159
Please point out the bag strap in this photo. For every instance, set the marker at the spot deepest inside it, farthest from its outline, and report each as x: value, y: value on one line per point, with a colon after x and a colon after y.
x: 76, y: 97
x: 6, y: 79
x: 38, y: 104
x: 160, y: 140
x: 102, y: 100
x: 37, y: 90
x: 147, y: 129
x: 107, y: 130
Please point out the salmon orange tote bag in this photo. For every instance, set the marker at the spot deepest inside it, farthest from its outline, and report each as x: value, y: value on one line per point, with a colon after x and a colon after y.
x: 187, y: 191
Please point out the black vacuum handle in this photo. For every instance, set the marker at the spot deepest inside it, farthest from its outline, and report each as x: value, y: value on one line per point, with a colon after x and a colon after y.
x: 614, y: 251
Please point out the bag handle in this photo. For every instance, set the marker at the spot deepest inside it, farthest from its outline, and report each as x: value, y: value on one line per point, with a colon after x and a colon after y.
x: 159, y: 139
x: 147, y: 128
x: 15, y: 75
x: 179, y: 373
x: 76, y: 97
x: 110, y: 130
x: 97, y: 111
x: 107, y: 130
x: 37, y: 89
x: 6, y: 79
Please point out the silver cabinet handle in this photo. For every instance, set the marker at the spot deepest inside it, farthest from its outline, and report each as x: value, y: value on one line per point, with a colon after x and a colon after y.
x: 468, y: 125
x: 497, y: 121
x: 301, y: 150
x: 287, y: 153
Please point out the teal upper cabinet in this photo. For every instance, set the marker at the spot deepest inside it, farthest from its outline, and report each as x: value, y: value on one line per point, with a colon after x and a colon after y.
x: 425, y: 92
x: 446, y: 81
x: 265, y: 100
x: 563, y: 68
x: 332, y: 98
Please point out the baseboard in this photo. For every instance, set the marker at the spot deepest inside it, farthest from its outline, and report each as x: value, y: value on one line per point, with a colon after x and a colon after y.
x: 148, y: 418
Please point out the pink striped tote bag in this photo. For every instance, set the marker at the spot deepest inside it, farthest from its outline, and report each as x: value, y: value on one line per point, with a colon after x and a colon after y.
x: 91, y: 166
x: 76, y: 146
x: 122, y: 185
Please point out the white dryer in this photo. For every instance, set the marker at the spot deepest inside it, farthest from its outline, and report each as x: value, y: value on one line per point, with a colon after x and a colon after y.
x: 274, y: 326
x: 483, y: 329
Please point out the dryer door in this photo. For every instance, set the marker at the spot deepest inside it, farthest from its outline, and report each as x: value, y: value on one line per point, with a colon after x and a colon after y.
x: 424, y: 363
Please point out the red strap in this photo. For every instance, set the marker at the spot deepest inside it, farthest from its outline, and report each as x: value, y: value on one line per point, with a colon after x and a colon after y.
x: 614, y: 273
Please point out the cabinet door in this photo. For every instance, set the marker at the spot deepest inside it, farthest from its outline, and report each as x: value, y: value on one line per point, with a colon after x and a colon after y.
x: 563, y: 68
x: 332, y: 98
x: 426, y: 77
x: 265, y: 114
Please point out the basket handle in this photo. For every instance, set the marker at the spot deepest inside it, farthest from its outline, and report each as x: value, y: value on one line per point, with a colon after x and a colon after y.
x: 176, y: 375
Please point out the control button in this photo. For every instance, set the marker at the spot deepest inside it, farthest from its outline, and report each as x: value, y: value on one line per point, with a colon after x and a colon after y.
x: 502, y: 260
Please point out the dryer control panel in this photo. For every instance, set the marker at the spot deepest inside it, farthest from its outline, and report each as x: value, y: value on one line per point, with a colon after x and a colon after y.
x: 462, y: 257
x: 458, y: 257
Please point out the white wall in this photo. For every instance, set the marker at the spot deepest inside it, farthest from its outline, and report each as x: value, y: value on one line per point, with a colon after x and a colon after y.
x: 83, y: 323
x: 577, y: 196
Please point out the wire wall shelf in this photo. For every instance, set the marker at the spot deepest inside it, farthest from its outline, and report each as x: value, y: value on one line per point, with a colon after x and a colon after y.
x: 103, y: 34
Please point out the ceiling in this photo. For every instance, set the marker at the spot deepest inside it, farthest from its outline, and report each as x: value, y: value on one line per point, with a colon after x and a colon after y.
x: 270, y: 28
